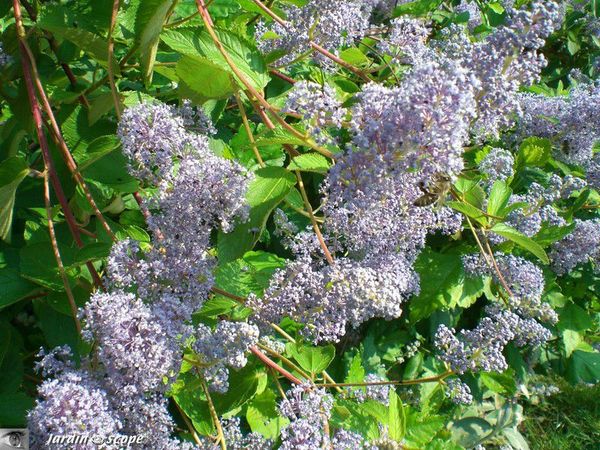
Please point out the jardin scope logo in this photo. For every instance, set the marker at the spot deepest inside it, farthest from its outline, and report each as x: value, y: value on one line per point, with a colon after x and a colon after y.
x: 11, y: 438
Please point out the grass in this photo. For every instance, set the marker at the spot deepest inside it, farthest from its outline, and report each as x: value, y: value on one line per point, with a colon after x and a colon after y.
x: 568, y: 420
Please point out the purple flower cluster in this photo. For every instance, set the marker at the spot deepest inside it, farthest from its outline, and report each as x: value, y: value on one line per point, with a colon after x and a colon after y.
x: 132, y: 346
x: 497, y: 165
x: 582, y: 245
x: 459, y: 392
x: 329, y: 24
x: 224, y: 346
x: 506, y: 60
x: 423, y: 123
x: 524, y: 279
x: 318, y: 107
x: 82, y: 402
x: 330, y: 298
x: 570, y: 121
x: 140, y: 325
x: 481, y: 348
x: 370, y: 207
x: 407, y: 38
x: 308, y: 410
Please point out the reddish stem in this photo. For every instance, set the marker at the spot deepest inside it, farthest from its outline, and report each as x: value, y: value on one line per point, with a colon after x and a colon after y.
x: 283, y: 76
x: 37, y: 118
x: 273, y: 365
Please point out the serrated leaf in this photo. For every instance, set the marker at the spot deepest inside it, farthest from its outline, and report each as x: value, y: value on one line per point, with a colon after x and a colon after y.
x: 198, y: 43
x: 310, y: 162
x: 13, y: 287
x: 91, y: 252
x: 267, y: 190
x: 396, y: 417
x: 312, y: 359
x: 13, y: 409
x: 416, y: 8
x: 262, y: 415
x: 534, y: 151
x: 54, y: 20
x: 521, y: 240
x: 469, y: 210
x: 501, y: 383
x: 97, y: 149
x: 584, y: 366
x: 356, y: 372
x: 499, y: 196
x: 12, y: 172
x: 149, y: 20
x: 279, y: 136
x: 470, y: 431
x: 446, y: 285
x: 202, y: 80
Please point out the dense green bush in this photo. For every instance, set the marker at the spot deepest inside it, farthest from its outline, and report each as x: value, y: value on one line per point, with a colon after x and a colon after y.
x: 353, y: 181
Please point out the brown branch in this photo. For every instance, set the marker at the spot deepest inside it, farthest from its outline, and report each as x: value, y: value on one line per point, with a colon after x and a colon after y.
x: 219, y: 291
x: 62, y: 145
x: 392, y: 383
x: 37, y: 118
x: 283, y: 76
x: 315, y: 225
x: 202, y: 9
x: 111, y: 51
x: 273, y: 365
x: 249, y: 130
x: 56, y: 251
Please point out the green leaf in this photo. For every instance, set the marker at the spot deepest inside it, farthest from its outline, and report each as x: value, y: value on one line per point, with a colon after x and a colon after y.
x: 445, y: 285
x: 97, y: 149
x: 267, y: 190
x: 470, y: 431
x: 55, y: 20
x: 12, y: 172
x: 573, y: 317
x: 469, y: 210
x: 551, y: 234
x: 91, y: 252
x: 499, y: 196
x: 250, y: 274
x: 202, y: 79
x: 38, y: 264
x: 534, y: 151
x: 310, y: 162
x: 496, y: 7
x: 584, y: 367
x: 14, y: 408
x: 396, y: 417
x: 246, y: 382
x: 312, y: 359
x: 58, y: 329
x: 501, y: 383
x: 420, y: 428
x: 354, y: 56
x: 356, y: 372
x: 198, y: 43
x: 279, y: 136
x: 13, y: 287
x: 262, y: 415
x: 149, y: 20
x: 571, y: 340
x: 521, y: 240
x: 417, y: 8
x: 5, y: 339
